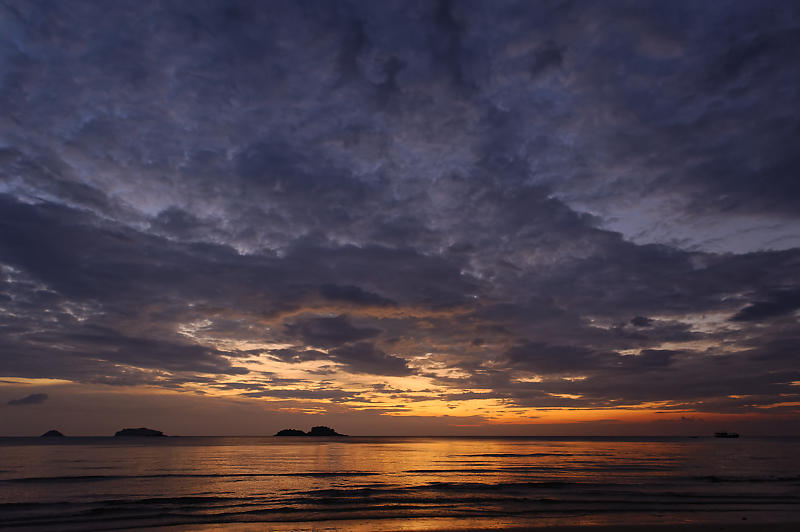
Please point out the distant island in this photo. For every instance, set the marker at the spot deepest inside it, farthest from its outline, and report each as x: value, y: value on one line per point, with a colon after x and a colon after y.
x: 52, y: 434
x: 290, y: 432
x: 315, y: 431
x: 142, y: 431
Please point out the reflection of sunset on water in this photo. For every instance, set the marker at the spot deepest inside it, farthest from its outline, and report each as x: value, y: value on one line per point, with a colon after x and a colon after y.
x: 352, y: 483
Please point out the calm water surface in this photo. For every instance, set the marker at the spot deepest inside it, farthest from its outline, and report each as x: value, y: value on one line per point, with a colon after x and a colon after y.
x: 393, y: 484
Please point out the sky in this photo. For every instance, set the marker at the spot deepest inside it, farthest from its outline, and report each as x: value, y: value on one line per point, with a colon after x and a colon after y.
x: 400, y: 217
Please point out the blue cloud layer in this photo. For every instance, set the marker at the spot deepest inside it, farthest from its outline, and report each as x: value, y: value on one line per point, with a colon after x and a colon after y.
x: 510, y: 188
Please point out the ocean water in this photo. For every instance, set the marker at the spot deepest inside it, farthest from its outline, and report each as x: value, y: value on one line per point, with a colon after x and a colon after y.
x: 267, y: 483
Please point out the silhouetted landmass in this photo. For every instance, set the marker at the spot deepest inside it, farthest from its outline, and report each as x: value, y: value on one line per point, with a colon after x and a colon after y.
x: 323, y: 431
x: 52, y: 434
x: 139, y: 432
x: 726, y: 435
x: 315, y: 431
x: 290, y: 432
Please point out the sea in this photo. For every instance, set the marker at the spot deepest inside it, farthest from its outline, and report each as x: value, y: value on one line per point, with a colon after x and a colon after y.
x: 387, y: 483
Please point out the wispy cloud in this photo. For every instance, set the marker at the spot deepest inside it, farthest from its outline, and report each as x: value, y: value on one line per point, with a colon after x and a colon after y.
x: 32, y: 399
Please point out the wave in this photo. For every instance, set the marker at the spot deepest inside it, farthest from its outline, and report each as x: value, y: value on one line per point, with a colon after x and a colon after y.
x: 93, y: 478
x: 753, y: 479
x: 514, y: 455
x: 543, y: 469
x: 187, y: 510
x: 381, y: 500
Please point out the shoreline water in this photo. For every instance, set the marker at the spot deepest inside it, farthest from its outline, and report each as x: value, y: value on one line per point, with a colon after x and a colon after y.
x: 404, y: 484
x: 382, y: 526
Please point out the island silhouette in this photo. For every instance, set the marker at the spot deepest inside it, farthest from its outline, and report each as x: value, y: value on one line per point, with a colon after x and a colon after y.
x: 142, y: 431
x: 315, y: 431
x: 52, y: 434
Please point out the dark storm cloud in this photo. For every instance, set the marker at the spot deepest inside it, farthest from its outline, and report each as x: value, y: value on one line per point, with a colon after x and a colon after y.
x: 685, y: 380
x: 298, y: 355
x: 381, y: 185
x: 548, y: 57
x: 546, y: 359
x: 332, y: 395
x: 778, y: 304
x: 32, y: 399
x: 543, y: 358
x: 352, y: 294
x: 364, y: 357
x: 359, y: 357
x: 125, y: 279
x: 328, y: 332
x: 641, y: 321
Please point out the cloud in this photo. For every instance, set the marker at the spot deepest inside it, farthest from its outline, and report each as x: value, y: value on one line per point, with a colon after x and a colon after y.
x: 32, y: 399
x: 481, y: 195
x: 352, y: 294
x: 328, y: 332
x: 549, y: 56
x: 298, y: 355
x: 545, y: 358
x: 364, y: 357
x: 779, y: 304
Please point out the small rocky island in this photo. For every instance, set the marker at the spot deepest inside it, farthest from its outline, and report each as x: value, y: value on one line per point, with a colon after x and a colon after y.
x: 142, y: 431
x: 290, y: 432
x: 315, y: 431
x: 52, y: 434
